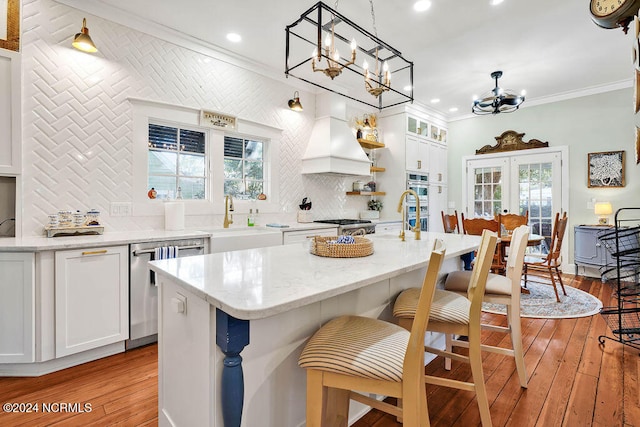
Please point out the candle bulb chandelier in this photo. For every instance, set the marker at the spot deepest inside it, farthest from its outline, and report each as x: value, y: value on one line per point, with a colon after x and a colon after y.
x: 334, y: 67
x: 326, y: 35
x: 373, y: 82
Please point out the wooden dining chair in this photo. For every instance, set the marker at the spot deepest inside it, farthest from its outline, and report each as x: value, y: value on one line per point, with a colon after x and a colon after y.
x: 352, y: 353
x: 509, y: 222
x: 452, y: 313
x: 549, y: 265
x: 475, y: 227
x: 499, y: 290
x: 450, y: 223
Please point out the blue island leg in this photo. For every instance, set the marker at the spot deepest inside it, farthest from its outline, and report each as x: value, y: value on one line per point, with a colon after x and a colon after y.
x: 232, y: 335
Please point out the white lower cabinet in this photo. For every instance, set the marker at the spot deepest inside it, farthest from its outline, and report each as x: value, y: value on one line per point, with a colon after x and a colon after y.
x: 302, y: 235
x: 91, y: 298
x: 17, y: 307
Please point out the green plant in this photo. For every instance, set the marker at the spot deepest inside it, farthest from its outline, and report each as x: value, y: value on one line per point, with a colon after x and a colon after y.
x: 375, y: 205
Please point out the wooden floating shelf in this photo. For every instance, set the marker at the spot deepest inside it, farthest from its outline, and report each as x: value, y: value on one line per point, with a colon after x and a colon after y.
x: 366, y: 193
x: 365, y: 143
x: 377, y: 169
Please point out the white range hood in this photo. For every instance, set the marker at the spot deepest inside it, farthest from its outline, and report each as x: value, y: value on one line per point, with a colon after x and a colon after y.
x: 333, y: 148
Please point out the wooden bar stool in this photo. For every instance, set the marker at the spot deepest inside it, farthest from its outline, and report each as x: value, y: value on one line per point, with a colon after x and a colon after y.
x: 452, y: 313
x: 369, y: 355
x: 499, y: 290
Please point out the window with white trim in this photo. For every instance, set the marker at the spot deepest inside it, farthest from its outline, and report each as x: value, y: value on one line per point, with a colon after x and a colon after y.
x: 177, y: 162
x: 244, y: 168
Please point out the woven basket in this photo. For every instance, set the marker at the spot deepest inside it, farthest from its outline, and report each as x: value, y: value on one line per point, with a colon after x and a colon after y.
x: 320, y: 246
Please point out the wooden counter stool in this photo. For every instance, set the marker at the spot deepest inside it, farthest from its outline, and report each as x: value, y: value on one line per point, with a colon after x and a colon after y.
x: 452, y: 313
x: 500, y: 290
x: 372, y: 356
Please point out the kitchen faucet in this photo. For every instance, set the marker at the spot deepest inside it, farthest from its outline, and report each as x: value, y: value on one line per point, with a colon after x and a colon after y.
x: 416, y: 228
x: 228, y: 207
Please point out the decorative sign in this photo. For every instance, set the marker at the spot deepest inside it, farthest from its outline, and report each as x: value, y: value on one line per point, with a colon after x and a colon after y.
x: 10, y: 24
x: 511, y: 141
x: 217, y: 120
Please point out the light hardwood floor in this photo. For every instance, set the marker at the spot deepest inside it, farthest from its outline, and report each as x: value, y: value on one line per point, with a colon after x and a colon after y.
x: 573, y: 382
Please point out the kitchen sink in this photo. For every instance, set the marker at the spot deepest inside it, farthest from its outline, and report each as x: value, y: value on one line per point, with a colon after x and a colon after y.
x: 238, y: 238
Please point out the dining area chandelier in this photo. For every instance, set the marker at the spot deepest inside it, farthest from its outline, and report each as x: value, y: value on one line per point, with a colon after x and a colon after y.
x: 497, y: 100
x: 333, y: 45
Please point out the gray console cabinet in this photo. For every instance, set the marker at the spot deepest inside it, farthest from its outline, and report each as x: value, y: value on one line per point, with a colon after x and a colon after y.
x: 588, y: 251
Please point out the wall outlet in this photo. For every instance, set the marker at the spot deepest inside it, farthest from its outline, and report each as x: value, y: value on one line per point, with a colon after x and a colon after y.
x: 120, y: 209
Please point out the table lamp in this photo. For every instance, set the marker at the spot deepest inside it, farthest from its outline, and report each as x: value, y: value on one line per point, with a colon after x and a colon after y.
x: 603, y: 209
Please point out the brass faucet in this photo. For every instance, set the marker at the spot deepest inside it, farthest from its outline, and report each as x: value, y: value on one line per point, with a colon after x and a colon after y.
x: 416, y: 228
x: 228, y: 207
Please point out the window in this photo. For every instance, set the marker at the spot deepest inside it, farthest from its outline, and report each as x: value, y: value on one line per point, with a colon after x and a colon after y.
x: 243, y: 167
x: 177, y: 162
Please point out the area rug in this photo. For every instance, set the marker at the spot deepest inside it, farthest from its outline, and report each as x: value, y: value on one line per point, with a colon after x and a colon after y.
x: 541, y: 303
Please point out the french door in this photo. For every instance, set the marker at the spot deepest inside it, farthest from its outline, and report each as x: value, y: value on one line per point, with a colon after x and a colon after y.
x: 516, y: 183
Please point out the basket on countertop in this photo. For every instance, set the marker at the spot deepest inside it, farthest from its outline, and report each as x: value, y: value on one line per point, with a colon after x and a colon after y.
x: 322, y: 246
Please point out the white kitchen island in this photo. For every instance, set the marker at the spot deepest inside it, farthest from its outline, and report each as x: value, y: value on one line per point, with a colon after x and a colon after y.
x: 245, y: 316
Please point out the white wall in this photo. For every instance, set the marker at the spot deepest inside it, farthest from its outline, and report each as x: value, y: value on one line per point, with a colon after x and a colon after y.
x: 603, y: 122
x: 77, y: 124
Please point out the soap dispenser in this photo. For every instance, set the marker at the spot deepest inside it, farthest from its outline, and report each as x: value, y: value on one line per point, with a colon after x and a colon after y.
x: 250, y: 220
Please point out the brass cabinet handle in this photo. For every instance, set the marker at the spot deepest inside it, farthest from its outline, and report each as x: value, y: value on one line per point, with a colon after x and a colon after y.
x: 419, y: 164
x: 103, y: 251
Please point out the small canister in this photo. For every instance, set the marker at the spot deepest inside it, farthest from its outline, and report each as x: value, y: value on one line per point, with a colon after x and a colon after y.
x: 78, y: 219
x: 65, y: 218
x: 93, y: 217
x: 53, y: 220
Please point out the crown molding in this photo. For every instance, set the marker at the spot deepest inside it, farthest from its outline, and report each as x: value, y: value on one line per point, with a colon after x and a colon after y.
x: 154, y: 29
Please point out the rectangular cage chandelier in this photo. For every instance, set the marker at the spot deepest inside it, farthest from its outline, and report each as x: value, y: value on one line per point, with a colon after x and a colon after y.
x: 328, y: 50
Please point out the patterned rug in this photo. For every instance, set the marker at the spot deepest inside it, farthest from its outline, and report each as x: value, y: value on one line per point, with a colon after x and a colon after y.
x: 541, y: 303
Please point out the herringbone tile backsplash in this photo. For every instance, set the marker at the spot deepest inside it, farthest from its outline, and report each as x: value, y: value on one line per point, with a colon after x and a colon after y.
x: 77, y: 120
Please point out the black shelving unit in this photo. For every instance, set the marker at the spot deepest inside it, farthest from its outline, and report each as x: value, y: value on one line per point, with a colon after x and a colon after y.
x: 623, y: 243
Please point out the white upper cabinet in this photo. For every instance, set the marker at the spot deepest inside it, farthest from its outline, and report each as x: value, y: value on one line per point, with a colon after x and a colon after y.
x: 10, y: 142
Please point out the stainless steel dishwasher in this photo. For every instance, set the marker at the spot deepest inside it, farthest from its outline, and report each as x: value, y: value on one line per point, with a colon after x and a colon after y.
x: 143, y: 290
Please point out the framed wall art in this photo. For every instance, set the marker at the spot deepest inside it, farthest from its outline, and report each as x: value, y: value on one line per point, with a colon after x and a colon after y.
x: 606, y: 169
x: 10, y: 24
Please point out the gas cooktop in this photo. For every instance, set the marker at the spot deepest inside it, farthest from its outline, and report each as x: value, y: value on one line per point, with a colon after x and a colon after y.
x: 344, y: 221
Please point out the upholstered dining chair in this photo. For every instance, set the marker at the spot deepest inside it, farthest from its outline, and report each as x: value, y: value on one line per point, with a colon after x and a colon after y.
x: 450, y: 223
x: 352, y: 353
x: 475, y: 227
x: 499, y: 290
x: 549, y: 266
x: 452, y: 313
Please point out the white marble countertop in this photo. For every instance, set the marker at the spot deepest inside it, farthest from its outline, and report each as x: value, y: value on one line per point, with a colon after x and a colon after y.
x: 258, y: 283
x: 113, y: 238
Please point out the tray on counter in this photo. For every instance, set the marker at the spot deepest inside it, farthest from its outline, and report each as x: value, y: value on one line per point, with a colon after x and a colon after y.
x: 74, y: 231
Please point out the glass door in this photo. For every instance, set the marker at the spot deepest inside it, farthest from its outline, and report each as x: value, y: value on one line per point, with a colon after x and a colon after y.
x: 539, y: 191
x: 517, y: 183
x: 487, y: 186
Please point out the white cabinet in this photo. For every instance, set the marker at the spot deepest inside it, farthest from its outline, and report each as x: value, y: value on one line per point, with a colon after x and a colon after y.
x: 389, y: 227
x: 437, y: 163
x: 417, y: 154
x: 91, y: 298
x: 10, y: 139
x: 437, y: 204
x: 302, y: 235
x: 17, y: 307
